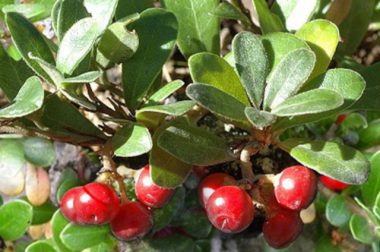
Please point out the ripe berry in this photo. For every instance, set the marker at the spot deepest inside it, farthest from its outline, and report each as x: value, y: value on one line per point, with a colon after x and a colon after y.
x: 332, y: 183
x: 340, y: 118
x: 230, y: 209
x: 282, y: 228
x: 93, y: 203
x: 295, y: 187
x: 211, y: 183
x: 149, y: 193
x: 133, y: 221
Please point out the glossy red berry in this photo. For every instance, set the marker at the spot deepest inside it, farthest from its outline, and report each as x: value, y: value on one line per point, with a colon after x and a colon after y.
x: 282, y: 228
x: 149, y: 193
x: 211, y: 183
x: 93, y: 203
x: 133, y: 221
x: 332, y: 183
x: 340, y: 118
x: 295, y: 187
x: 230, y: 209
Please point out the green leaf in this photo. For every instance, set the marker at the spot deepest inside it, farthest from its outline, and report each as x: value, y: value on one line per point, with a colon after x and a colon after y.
x: 217, y: 102
x: 349, y: 84
x: 371, y: 188
x: 189, y: 144
x: 163, y: 216
x: 55, y: 76
x: 323, y: 37
x: 198, y: 30
x: 13, y: 74
x: 277, y: 45
x: 229, y: 11
x: 68, y: 13
x: 15, y: 218
x: 83, y: 78
x: 259, y: 119
x: 140, y: 72
x: 42, y: 214
x: 1, y: 201
x: 165, y: 92
x: 117, y: 43
x: 376, y: 206
x: 131, y: 140
x: 196, y: 223
x: 29, y: 40
x: 54, y: 15
x: 68, y: 180
x: 165, y: 169
x: 252, y: 64
x: 355, y: 25
x: 32, y: 11
x: 77, y: 237
x: 329, y: 158
x: 28, y: 100
x: 295, y: 13
x: 361, y: 229
x: 288, y: 77
x: 215, y: 71
x: 39, y: 151
x: 152, y: 116
x: 370, y: 136
x: 129, y: 7
x: 2, y: 4
x: 337, y: 211
x: 56, y: 112
x: 354, y: 121
x: 12, y: 167
x: 310, y: 102
x: 102, y: 11
x: 42, y: 245
x: 369, y: 100
x: 76, y: 44
x: 58, y: 223
x: 269, y: 22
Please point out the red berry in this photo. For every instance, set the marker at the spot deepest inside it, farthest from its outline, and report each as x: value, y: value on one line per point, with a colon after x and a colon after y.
x: 67, y: 203
x: 282, y: 229
x: 200, y: 171
x: 332, y: 183
x: 133, y: 221
x: 149, y: 193
x: 211, y: 183
x: 230, y: 209
x: 340, y: 118
x: 295, y: 187
x: 93, y: 203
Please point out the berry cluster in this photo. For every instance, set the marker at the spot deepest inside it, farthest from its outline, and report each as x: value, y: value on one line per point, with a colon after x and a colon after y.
x: 231, y: 209
x: 96, y: 204
x: 230, y: 205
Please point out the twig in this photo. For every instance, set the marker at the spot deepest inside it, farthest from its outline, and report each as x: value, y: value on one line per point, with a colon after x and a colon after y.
x: 245, y: 162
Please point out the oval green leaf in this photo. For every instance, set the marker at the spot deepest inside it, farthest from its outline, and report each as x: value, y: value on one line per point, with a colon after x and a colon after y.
x: 337, y: 211
x: 213, y: 70
x: 310, y: 102
x: 323, y: 37
x: 131, y: 140
x: 198, y: 30
x: 39, y: 151
x: 269, y: 22
x: 189, y: 144
x: 76, y: 44
x: 288, y: 77
x: 371, y: 188
x: 165, y: 92
x: 252, y: 64
x: 77, y: 237
x: 28, y: 100
x: 38, y: 246
x: 259, y: 119
x: 15, y: 218
x: 361, y: 230
x: 58, y: 223
x: 28, y: 39
x: 140, y: 72
x: 329, y: 158
x: 217, y: 102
